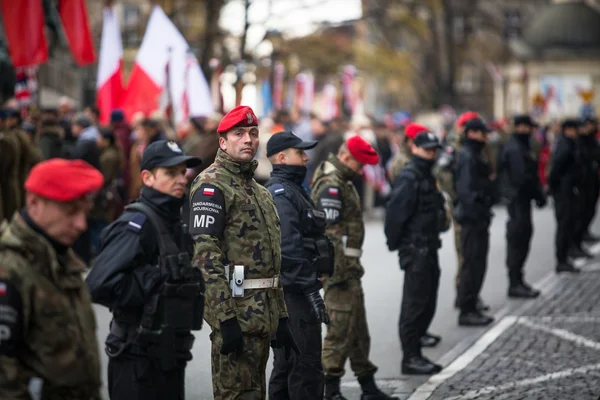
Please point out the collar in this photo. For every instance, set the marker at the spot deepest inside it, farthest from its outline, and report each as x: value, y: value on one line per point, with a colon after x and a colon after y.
x: 163, y: 204
x: 344, y: 171
x: 293, y: 173
x: 523, y: 139
x: 244, y: 169
x: 423, y: 164
x: 58, y: 247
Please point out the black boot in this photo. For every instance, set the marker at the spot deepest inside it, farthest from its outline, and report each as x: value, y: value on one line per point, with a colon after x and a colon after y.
x: 522, y: 291
x: 567, y: 267
x: 332, y: 388
x: 589, y: 238
x: 370, y: 391
x: 419, y: 365
x: 430, y: 340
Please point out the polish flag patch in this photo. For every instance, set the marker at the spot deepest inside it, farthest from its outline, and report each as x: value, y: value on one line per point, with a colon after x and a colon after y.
x: 208, y: 191
x: 334, y: 191
x: 2, y: 289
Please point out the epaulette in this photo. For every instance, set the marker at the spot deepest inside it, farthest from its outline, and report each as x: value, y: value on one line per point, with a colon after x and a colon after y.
x: 137, y: 222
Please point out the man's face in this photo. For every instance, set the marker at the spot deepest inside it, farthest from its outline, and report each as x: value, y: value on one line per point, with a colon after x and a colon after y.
x: 167, y: 180
x: 64, y: 222
x: 523, y: 129
x: 571, y: 132
x: 428, y: 154
x: 477, y: 135
x: 296, y: 157
x: 240, y: 143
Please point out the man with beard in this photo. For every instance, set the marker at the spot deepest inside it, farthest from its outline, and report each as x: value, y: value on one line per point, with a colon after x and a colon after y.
x: 305, y: 256
x: 523, y: 186
x: 415, y: 217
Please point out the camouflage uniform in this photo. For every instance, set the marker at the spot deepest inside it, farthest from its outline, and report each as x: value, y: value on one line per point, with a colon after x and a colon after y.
x: 399, y: 161
x: 245, y: 232
x: 348, y: 332
x: 46, y: 311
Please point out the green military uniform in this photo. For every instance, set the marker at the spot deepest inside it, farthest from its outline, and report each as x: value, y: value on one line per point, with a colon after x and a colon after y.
x: 348, y: 332
x: 233, y: 221
x: 400, y: 160
x: 47, y: 326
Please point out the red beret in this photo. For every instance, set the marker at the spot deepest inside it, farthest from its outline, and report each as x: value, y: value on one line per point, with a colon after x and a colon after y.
x: 63, y: 180
x: 239, y: 116
x: 412, y: 130
x: 465, y: 117
x: 362, y: 150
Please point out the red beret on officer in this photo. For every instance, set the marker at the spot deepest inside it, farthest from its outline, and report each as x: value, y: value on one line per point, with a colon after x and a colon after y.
x: 63, y: 180
x: 362, y: 150
x: 240, y: 116
x: 466, y: 117
x: 412, y: 130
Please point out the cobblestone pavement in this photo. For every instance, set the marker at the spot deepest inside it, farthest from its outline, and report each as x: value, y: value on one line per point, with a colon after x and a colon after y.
x: 549, y: 350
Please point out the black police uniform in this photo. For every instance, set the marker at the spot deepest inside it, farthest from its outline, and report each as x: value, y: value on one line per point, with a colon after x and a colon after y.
x: 128, y: 277
x: 306, y: 254
x: 473, y: 212
x: 523, y: 185
x: 566, y: 186
x: 414, y: 218
x: 590, y: 158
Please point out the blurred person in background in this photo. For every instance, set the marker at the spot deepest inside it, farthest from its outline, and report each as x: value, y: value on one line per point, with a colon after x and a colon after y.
x: 93, y: 113
x: 111, y: 201
x: 50, y: 134
x: 65, y: 115
x: 147, y: 132
x: 330, y: 139
x: 85, y: 147
x: 164, y: 124
x: 590, y: 152
x: 122, y: 133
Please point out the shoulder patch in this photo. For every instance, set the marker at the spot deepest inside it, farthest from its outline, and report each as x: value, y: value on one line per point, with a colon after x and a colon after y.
x: 277, y: 189
x: 330, y: 202
x: 137, y: 222
x: 207, y: 211
x: 11, y: 318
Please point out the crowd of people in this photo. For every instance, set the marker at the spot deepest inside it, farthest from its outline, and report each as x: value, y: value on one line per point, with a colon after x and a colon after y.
x: 243, y: 223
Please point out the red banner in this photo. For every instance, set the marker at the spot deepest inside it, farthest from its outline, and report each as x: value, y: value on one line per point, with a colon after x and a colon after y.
x: 24, y: 27
x: 74, y: 17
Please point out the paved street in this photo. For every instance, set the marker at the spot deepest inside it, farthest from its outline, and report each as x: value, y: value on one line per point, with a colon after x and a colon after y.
x: 383, y: 290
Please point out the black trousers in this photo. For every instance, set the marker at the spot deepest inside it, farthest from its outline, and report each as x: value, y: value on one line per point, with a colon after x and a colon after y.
x: 519, y: 230
x: 131, y: 377
x: 565, y: 210
x: 475, y: 242
x: 299, y: 376
x: 419, y: 297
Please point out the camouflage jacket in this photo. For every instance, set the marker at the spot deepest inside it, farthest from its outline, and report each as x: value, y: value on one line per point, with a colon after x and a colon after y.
x: 47, y: 323
x: 233, y: 221
x: 334, y: 193
x: 399, y: 161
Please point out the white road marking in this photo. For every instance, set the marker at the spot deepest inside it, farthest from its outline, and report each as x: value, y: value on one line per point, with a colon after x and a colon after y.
x: 561, y: 333
x: 473, y: 394
x: 565, y: 318
x: 426, y: 390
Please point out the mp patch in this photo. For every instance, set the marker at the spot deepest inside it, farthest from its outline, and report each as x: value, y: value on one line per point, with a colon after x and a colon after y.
x: 330, y: 202
x: 207, y: 211
x: 11, y: 318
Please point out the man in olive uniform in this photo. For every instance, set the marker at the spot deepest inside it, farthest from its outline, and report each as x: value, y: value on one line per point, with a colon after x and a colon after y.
x: 305, y: 256
x: 48, y: 347
x: 444, y: 172
x: 235, y: 226
x: 348, y: 332
x: 404, y: 154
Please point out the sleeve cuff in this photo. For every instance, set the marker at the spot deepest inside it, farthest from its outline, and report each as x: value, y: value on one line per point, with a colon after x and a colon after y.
x: 226, y: 310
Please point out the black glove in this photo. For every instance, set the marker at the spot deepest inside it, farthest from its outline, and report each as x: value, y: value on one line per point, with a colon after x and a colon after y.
x: 318, y: 306
x: 284, y: 338
x: 541, y: 202
x: 233, y: 340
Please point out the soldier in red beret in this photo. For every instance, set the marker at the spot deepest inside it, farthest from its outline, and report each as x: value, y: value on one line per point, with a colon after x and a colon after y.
x: 348, y: 332
x: 47, y: 324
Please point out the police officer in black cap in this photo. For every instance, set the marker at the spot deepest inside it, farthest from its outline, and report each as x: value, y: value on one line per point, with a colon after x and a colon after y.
x: 144, y: 275
x: 306, y: 255
x: 523, y: 186
x: 590, y: 155
x: 473, y: 212
x: 566, y: 186
x: 416, y: 215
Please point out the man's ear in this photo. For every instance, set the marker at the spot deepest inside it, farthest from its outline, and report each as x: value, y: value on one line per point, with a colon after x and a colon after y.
x: 282, y: 157
x: 147, y: 177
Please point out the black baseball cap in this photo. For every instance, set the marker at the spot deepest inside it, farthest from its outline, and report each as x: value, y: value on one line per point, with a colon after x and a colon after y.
x: 287, y: 140
x: 426, y: 140
x: 476, y: 124
x: 166, y: 153
x: 524, y: 119
x: 571, y: 123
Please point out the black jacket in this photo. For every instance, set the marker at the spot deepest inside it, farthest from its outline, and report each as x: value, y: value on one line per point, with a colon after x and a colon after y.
x: 415, y: 213
x: 473, y: 186
x: 520, y: 169
x: 566, y: 168
x: 125, y: 273
x: 296, y: 213
x: 590, y: 158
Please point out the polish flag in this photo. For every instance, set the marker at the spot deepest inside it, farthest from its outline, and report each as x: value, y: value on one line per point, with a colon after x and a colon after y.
x: 333, y: 191
x: 163, y: 45
x: 109, y: 84
x: 208, y: 191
